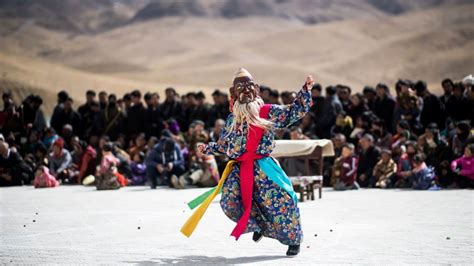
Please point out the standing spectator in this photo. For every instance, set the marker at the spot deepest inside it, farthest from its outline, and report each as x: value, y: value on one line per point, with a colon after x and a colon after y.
x: 318, y: 101
x: 344, y: 94
x: 171, y: 108
x: 164, y: 161
x: 153, y: 117
x: 202, y: 112
x: 468, y: 83
x: 103, y: 99
x: 91, y: 121
x: 385, y: 170
x: 447, y: 85
x: 274, y: 97
x: 408, y: 107
x: 192, y: 110
x: 433, y: 109
x: 55, y: 120
x: 384, y: 106
x: 112, y: 119
x: 457, y: 107
x: 86, y: 107
x: 331, y: 108
x: 68, y: 115
x: 265, y: 93
x: 369, y: 96
x: 368, y: 157
x: 136, y: 114
x: 220, y: 109
x: 345, y: 169
x: 147, y: 98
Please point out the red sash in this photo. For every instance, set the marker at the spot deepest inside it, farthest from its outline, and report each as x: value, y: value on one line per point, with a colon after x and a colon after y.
x: 246, y: 171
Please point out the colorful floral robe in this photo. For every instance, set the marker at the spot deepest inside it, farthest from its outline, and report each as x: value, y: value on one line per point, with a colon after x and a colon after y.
x: 274, y: 213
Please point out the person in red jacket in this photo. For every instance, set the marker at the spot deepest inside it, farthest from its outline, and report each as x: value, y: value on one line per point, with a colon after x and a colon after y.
x: 345, y: 169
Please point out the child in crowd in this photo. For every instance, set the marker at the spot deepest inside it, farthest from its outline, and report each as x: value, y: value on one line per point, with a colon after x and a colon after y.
x: 422, y: 176
x: 138, y: 169
x: 107, y: 173
x: 203, y: 173
x: 385, y: 169
x: 345, y: 169
x: 43, y: 179
x: 405, y: 164
x: 464, y: 168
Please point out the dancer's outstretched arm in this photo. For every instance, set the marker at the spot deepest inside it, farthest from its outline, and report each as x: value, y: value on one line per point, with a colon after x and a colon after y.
x: 286, y: 115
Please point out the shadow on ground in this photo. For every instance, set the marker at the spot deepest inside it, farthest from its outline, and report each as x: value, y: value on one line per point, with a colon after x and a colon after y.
x: 204, y: 260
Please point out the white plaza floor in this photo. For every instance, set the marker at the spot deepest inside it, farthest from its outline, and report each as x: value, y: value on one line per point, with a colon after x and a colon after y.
x: 79, y: 225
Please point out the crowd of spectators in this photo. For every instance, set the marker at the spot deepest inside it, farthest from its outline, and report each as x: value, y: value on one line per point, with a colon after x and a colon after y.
x: 412, y: 139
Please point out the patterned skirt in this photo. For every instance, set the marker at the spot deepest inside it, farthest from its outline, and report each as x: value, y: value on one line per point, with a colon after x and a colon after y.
x: 274, y: 213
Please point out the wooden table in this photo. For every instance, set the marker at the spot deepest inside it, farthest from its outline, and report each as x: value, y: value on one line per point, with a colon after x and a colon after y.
x: 312, y: 152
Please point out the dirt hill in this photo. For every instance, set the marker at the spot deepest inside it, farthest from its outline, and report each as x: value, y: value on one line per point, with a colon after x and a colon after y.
x: 199, y: 45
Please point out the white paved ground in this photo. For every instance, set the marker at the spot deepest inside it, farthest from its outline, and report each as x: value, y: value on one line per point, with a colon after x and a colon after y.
x: 79, y: 225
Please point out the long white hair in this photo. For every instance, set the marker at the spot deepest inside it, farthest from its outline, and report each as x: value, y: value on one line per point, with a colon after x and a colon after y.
x: 249, y: 113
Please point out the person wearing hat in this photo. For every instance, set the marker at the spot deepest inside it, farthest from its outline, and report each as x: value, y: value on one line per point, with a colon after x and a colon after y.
x: 256, y: 193
x: 59, y: 161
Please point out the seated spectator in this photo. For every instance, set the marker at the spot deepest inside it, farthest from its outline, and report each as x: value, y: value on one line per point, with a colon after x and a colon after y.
x: 43, y: 179
x: 107, y: 175
x: 462, y: 138
x: 59, y: 161
x: 405, y: 164
x: 345, y: 169
x: 343, y: 124
x: 164, y: 161
x: 203, y: 173
x: 338, y: 140
x: 464, y: 168
x: 50, y: 137
x: 383, y: 139
x: 13, y: 169
x: 385, y: 170
x: 88, y: 162
x: 139, y: 145
x: 422, y: 176
x: 368, y: 157
x: 138, y: 169
x: 402, y: 126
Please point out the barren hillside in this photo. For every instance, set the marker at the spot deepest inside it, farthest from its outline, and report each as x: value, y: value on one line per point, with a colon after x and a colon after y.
x: 201, y: 50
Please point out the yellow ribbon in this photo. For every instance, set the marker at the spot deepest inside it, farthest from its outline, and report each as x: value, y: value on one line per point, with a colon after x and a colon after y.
x: 188, y: 228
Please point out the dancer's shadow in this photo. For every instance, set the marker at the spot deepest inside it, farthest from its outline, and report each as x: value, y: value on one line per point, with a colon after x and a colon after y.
x: 204, y: 260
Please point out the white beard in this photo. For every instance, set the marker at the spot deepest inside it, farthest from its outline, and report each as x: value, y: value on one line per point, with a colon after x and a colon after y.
x: 249, y: 113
